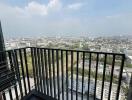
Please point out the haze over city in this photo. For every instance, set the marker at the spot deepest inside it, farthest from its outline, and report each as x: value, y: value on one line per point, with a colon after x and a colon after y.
x: 28, y: 18
x: 65, y: 49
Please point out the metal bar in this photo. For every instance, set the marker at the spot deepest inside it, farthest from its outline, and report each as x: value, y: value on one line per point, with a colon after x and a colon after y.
x: 120, y: 77
x: 26, y: 65
x: 3, y: 95
x: 43, y: 71
x: 77, y: 76
x: 13, y: 69
x: 53, y: 65
x: 49, y: 59
x: 58, y: 81
x: 71, y: 75
x: 16, y: 92
x: 22, y: 67
x: 62, y: 70
x: 10, y: 94
x: 89, y: 72
x: 50, y: 79
x: 39, y: 71
x: 96, y: 76
x: 86, y: 51
x: 36, y: 69
x: 67, y: 96
x: 46, y: 69
x: 74, y: 50
x: 83, y: 74
x: 104, y: 69
x: 18, y: 72
x: 111, y: 78
x: 33, y: 65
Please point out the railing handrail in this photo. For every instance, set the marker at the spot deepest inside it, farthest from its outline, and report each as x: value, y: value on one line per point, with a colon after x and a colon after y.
x: 74, y: 50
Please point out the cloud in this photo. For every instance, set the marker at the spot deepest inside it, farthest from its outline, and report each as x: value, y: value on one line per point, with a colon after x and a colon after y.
x: 35, y: 8
x: 30, y: 20
x: 54, y: 5
x: 75, y: 6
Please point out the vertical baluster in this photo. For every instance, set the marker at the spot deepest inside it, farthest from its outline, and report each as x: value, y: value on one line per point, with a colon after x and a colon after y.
x: 3, y: 95
x: 58, y: 75
x: 49, y: 60
x: 96, y: 73
x: 89, y: 73
x: 22, y: 68
x: 62, y: 70
x: 111, y: 77
x: 27, y: 71
x: 39, y: 70
x: 71, y: 75
x: 18, y: 72
x: 43, y: 71
x: 83, y: 63
x: 46, y: 69
x: 120, y: 77
x: 67, y: 96
x: 103, y: 80
x: 34, y: 69
x: 54, y: 82
x: 77, y: 76
x: 12, y: 64
x: 10, y: 94
x: 10, y: 58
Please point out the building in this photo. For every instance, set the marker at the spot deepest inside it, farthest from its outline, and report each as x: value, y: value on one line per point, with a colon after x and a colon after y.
x: 128, y: 55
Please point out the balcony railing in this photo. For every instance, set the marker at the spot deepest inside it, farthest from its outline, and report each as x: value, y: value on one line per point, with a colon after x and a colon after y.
x: 64, y: 74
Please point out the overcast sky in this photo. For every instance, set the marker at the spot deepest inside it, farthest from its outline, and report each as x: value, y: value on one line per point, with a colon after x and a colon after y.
x: 22, y: 18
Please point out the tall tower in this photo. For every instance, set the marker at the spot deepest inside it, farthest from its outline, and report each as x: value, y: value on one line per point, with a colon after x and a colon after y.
x: 2, y: 55
x: 2, y: 45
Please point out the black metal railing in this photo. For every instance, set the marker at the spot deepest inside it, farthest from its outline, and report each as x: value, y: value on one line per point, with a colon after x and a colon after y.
x: 66, y: 74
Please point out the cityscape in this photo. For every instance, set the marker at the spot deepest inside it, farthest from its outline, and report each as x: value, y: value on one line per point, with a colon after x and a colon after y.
x: 115, y: 44
x: 65, y: 49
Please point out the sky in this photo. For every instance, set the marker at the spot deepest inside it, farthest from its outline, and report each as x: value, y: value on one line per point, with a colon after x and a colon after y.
x: 31, y: 18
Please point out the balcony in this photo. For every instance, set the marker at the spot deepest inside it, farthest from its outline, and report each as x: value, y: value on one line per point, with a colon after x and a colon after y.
x: 59, y: 74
